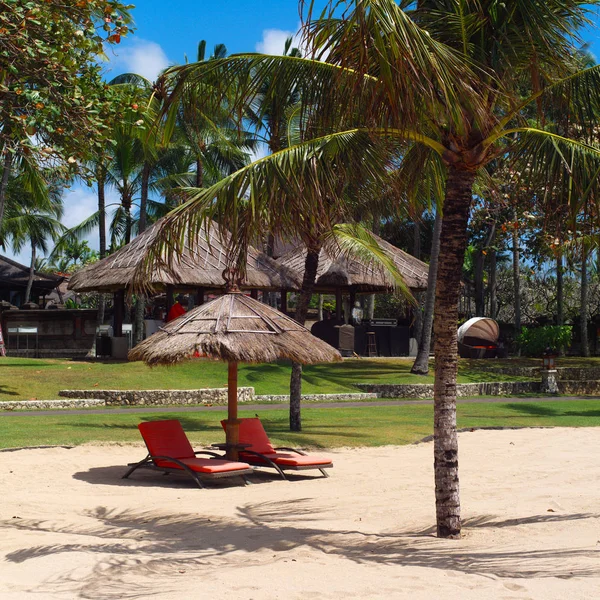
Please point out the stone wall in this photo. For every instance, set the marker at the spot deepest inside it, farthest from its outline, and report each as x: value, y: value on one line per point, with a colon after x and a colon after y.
x: 319, y: 397
x: 578, y: 388
x: 51, y: 404
x: 569, y: 373
x: 425, y: 390
x: 160, y: 397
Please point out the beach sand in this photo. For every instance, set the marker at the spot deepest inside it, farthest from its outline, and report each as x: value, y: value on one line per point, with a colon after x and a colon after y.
x: 71, y: 528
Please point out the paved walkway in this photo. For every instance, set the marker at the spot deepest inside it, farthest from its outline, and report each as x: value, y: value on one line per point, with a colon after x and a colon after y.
x: 282, y: 406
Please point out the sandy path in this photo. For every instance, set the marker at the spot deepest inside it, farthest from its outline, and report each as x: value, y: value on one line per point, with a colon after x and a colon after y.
x: 71, y: 528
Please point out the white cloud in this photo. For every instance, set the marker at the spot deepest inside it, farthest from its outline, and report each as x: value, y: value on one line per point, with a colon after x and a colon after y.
x: 260, y: 151
x: 80, y: 203
x: 273, y: 41
x: 142, y: 57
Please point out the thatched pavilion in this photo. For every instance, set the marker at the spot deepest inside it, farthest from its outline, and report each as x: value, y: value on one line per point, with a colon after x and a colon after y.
x: 199, y: 269
x: 341, y: 274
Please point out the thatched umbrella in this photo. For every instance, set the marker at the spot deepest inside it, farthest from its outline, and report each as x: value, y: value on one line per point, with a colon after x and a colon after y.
x: 233, y: 328
x: 340, y: 271
x: 200, y: 264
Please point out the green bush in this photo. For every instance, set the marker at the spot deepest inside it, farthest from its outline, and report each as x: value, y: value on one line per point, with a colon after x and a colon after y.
x: 533, y: 342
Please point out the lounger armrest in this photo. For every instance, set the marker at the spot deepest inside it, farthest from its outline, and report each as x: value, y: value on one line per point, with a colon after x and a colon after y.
x: 292, y: 450
x: 213, y: 454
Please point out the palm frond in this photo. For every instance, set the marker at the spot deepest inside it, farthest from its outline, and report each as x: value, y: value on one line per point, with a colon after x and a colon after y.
x: 353, y: 240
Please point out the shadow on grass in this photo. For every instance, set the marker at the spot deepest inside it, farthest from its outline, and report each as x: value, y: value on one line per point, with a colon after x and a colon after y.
x: 8, y: 391
x: 130, y: 543
x: 342, y: 375
x: 549, y: 411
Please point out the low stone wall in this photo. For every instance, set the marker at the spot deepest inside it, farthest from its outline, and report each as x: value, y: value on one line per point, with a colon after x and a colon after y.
x: 564, y: 373
x: 160, y: 397
x: 578, y: 388
x: 319, y: 397
x: 51, y: 404
x: 425, y: 390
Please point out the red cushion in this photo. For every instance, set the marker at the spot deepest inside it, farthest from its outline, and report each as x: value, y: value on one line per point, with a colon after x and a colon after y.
x: 298, y: 460
x: 166, y: 438
x: 252, y: 432
x: 205, y: 465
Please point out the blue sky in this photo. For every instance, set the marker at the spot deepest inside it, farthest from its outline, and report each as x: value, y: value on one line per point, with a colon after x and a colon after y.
x: 168, y: 31
x: 164, y: 36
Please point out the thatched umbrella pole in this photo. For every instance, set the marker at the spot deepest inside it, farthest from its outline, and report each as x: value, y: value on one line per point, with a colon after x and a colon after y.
x: 232, y: 432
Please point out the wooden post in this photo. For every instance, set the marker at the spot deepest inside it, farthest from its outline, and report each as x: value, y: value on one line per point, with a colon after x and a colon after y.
x: 338, y: 304
x: 254, y: 294
x: 200, y: 297
x: 232, y: 434
x: 284, y: 306
x: 118, y: 312
x: 170, y: 298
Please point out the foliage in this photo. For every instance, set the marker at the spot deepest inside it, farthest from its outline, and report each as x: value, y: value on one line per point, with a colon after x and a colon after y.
x: 534, y: 342
x: 71, y: 254
x: 50, y: 79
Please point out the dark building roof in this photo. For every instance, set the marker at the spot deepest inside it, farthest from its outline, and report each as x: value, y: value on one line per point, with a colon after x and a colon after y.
x: 14, y: 275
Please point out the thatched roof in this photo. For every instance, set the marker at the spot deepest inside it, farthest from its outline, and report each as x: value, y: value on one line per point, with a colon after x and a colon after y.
x: 343, y: 272
x: 200, y: 265
x: 15, y: 275
x: 234, y: 328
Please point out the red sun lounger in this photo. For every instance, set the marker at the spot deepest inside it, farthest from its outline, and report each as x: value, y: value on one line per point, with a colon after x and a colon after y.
x: 170, y: 451
x: 261, y: 453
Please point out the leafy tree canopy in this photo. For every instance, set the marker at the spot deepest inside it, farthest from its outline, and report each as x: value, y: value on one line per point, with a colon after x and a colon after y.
x: 53, y: 100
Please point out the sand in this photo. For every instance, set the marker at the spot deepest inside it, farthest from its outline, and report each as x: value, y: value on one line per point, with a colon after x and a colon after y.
x: 71, y: 528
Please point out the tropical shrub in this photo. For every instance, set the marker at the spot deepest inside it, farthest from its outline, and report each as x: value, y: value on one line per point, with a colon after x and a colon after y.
x: 534, y: 341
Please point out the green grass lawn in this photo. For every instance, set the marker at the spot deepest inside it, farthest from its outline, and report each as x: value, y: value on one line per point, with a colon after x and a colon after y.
x: 322, y: 427
x: 22, y: 378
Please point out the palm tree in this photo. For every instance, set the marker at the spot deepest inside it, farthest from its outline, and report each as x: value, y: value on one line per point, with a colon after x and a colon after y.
x: 447, y: 76
x: 35, y: 222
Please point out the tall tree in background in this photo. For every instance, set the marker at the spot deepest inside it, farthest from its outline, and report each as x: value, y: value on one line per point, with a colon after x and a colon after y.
x: 31, y: 221
x: 47, y: 48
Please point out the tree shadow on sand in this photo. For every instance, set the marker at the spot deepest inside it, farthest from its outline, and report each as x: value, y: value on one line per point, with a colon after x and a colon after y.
x: 153, y: 546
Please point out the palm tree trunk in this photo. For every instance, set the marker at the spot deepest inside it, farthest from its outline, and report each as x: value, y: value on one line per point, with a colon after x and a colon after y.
x: 199, y: 172
x: 453, y: 243
x: 478, y: 281
x: 376, y: 228
x: 493, y: 285
x: 31, y: 274
x: 560, y: 294
x: 140, y: 305
x: 4, y: 183
x: 516, y: 277
x: 417, y: 239
x: 127, y: 207
x: 311, y: 265
x: 585, y: 286
x: 421, y: 364
x: 320, y: 314
x: 102, y: 235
